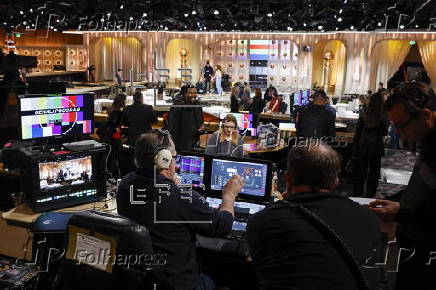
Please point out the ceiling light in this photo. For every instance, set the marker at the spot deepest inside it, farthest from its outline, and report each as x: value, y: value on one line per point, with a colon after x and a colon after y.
x: 131, y: 18
x: 402, y: 26
x: 194, y: 12
x: 122, y: 6
x: 216, y: 12
x: 379, y: 24
x: 304, y: 24
x: 339, y: 19
x: 102, y: 20
x: 144, y: 15
x: 320, y: 27
x: 186, y: 14
x: 21, y: 12
x: 269, y: 15
x: 340, y: 11
x: 337, y: 28
x: 351, y: 27
x: 31, y: 10
x: 416, y: 26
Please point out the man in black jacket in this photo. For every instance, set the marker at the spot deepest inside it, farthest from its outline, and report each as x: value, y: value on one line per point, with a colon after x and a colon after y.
x: 185, y: 121
x: 290, y: 251
x: 413, y: 112
x: 207, y: 74
x: 315, y: 120
x: 150, y: 196
x: 138, y: 117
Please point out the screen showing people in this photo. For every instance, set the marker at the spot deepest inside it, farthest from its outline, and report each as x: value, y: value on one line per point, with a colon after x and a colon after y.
x: 190, y: 170
x: 246, y: 124
x: 254, y: 174
x: 53, y: 115
x: 301, y: 98
x: 65, y: 173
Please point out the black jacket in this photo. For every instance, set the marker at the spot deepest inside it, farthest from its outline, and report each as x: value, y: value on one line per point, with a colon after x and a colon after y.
x: 183, y: 123
x: 289, y: 252
x: 171, y: 233
x: 234, y: 104
x: 257, y: 106
x: 138, y: 117
x: 368, y: 140
x: 315, y: 121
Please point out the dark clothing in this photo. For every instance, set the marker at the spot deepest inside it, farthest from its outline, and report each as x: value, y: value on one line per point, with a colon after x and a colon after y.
x: 331, y: 109
x: 138, y: 117
x: 257, y: 106
x: 368, y: 150
x: 208, y: 72
x: 369, y: 139
x: 416, y: 217
x: 175, y: 239
x: 119, y: 79
x: 226, y: 148
x: 183, y: 123
x: 289, y: 252
x: 315, y: 121
x: 234, y: 104
x: 114, y: 122
x: 283, y: 108
x: 366, y: 168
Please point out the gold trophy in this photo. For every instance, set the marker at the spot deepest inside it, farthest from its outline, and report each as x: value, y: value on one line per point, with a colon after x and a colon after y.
x: 183, y: 57
x: 328, y: 58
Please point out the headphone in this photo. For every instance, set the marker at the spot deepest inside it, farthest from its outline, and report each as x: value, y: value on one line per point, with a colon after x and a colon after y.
x: 162, y: 156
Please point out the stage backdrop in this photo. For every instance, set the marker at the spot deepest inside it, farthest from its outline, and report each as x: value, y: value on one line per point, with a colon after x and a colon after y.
x: 337, y: 68
x: 172, y: 58
x: 108, y: 54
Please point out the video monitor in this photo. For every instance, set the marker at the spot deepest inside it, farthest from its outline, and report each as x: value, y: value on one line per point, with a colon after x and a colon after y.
x: 256, y: 176
x: 190, y: 170
x: 239, y: 226
x: 241, y: 207
x: 297, y: 98
x: 246, y: 124
x: 54, y: 175
x: 44, y: 116
x: 305, y: 97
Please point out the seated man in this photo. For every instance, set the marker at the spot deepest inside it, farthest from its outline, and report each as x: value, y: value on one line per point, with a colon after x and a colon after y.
x: 173, y: 217
x: 291, y: 250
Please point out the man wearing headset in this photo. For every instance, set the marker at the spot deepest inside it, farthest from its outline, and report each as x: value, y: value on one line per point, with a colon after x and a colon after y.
x: 150, y: 196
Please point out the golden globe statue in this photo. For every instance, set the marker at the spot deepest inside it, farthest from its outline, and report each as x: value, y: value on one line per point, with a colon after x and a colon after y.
x: 183, y: 57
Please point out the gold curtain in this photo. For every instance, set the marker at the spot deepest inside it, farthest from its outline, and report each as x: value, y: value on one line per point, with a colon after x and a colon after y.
x: 172, y: 58
x: 108, y: 54
x: 337, y: 72
x: 317, y: 64
x: 387, y: 56
x: 427, y: 49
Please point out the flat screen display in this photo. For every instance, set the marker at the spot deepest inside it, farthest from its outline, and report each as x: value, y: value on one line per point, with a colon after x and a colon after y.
x: 245, y: 122
x: 55, y: 175
x: 240, y: 206
x: 297, y: 99
x: 305, y: 97
x: 190, y: 170
x: 254, y: 174
x: 44, y: 116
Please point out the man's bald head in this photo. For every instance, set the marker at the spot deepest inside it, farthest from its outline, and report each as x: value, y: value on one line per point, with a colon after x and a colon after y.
x: 314, y: 166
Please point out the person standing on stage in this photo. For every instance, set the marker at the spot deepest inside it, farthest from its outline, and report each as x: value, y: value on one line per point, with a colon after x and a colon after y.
x: 218, y: 79
x: 207, y: 74
x: 119, y: 80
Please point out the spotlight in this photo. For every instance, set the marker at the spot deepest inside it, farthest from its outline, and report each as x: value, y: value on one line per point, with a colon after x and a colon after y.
x: 304, y: 24
x: 340, y: 11
x: 31, y: 10
x: 379, y: 24
x: 21, y: 12
x: 269, y: 15
x: 122, y: 6
x: 402, y: 26
x: 102, y: 20
x: 320, y: 27
x: 194, y: 12
x: 351, y: 27
x: 216, y: 12
x: 186, y: 14
x: 144, y: 15
x: 416, y: 26
x: 339, y: 19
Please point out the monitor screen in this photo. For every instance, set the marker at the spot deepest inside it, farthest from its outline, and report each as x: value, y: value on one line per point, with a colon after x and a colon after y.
x: 254, y: 174
x: 297, y: 99
x: 190, y: 170
x: 240, y: 206
x: 55, y: 175
x: 45, y: 116
x: 245, y: 122
x: 239, y: 226
x: 305, y: 97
